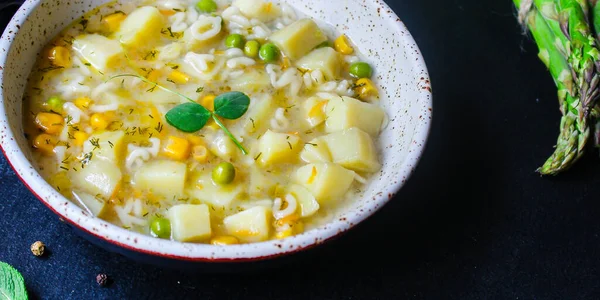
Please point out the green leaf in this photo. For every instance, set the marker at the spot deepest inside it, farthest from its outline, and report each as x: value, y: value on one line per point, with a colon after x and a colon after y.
x: 231, y: 105
x: 12, y: 285
x: 188, y: 117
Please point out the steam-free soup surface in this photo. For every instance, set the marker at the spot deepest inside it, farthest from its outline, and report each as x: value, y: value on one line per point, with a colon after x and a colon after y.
x: 209, y: 122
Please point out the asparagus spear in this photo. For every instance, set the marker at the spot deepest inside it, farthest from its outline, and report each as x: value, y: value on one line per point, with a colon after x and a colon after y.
x: 573, y: 134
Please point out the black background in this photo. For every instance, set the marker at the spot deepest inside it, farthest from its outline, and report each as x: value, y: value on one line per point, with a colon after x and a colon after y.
x: 474, y: 221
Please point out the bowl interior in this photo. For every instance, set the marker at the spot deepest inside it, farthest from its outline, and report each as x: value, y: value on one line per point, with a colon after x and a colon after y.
x: 380, y: 36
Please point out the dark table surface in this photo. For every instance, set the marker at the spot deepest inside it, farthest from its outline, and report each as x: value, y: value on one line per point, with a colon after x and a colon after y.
x: 474, y: 221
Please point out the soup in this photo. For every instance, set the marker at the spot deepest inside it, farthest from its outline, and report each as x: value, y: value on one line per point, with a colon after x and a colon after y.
x: 207, y: 122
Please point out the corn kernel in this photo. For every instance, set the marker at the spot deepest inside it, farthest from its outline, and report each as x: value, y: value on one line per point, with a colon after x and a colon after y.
x: 113, y: 22
x: 200, y: 153
x: 288, y: 219
x: 179, y: 77
x: 167, y: 12
x: 365, y: 88
x: 195, y: 140
x: 208, y: 102
x: 50, y: 123
x: 154, y: 75
x: 83, y: 102
x: 284, y: 234
x: 318, y: 109
x: 342, y: 45
x: 212, y: 124
x: 99, y: 121
x: 45, y: 143
x: 224, y: 240
x: 177, y: 148
x: 80, y: 138
x: 60, y: 56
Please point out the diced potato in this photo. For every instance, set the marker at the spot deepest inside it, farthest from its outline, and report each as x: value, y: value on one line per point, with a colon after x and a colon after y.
x: 298, y: 38
x: 141, y: 27
x: 98, y: 177
x: 223, y: 147
x: 250, y: 226
x: 353, y: 149
x: 258, y: 9
x: 314, y: 110
x: 278, y: 148
x: 218, y: 196
x: 315, y: 151
x: 259, y: 113
x: 162, y: 177
x: 95, y: 205
x: 328, y: 182
x: 307, y: 202
x: 252, y: 81
x: 101, y: 52
x: 325, y: 59
x: 345, y: 112
x: 106, y: 145
x: 190, y: 222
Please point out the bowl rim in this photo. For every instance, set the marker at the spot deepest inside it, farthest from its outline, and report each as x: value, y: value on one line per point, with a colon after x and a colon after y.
x: 205, y: 252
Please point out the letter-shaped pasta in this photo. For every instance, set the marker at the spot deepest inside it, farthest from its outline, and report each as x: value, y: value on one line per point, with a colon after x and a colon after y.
x: 206, y: 27
x: 292, y: 205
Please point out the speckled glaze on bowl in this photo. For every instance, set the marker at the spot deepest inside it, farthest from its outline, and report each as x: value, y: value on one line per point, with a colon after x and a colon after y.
x: 371, y: 24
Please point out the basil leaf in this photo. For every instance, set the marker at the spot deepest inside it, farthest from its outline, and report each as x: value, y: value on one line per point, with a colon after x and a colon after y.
x: 12, y: 285
x: 188, y: 117
x: 231, y: 105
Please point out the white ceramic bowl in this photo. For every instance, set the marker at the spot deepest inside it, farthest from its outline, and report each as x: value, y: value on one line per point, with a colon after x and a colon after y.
x: 371, y: 24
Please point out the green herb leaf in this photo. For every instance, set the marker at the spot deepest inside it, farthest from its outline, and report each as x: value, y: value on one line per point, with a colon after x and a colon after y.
x: 12, y: 285
x: 231, y: 105
x: 188, y: 117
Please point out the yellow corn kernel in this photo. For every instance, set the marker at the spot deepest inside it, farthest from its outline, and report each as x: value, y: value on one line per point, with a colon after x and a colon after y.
x: 208, y: 102
x: 342, y: 45
x: 195, y: 140
x: 153, y: 75
x: 224, y: 240
x: 83, y: 102
x: 167, y: 12
x: 113, y: 22
x: 50, y: 123
x: 288, y: 219
x: 284, y: 234
x: 200, y: 153
x: 45, y: 143
x: 60, y: 56
x: 212, y: 124
x: 318, y: 109
x: 365, y: 88
x: 80, y: 138
x: 99, y: 121
x: 179, y: 77
x: 177, y: 148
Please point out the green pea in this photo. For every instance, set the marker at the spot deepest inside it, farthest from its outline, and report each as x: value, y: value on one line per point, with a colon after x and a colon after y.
x: 224, y: 173
x: 234, y: 41
x: 206, y: 6
x: 251, y: 48
x: 361, y: 70
x: 268, y: 52
x: 161, y: 227
x: 55, y: 104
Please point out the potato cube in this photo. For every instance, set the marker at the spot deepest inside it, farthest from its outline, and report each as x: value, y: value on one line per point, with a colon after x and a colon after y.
x: 190, y: 222
x: 345, y: 112
x: 101, y: 52
x: 98, y: 177
x: 252, y: 81
x: 162, y: 177
x: 250, y: 226
x: 261, y: 185
x: 325, y: 59
x: 353, y: 149
x: 223, y: 147
x: 298, y: 38
x: 95, y: 205
x: 314, y: 110
x: 307, y: 202
x: 259, y: 113
x: 107, y: 145
x: 328, y: 182
x: 218, y: 196
x: 258, y: 9
x: 141, y: 27
x: 278, y: 148
x: 315, y: 151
